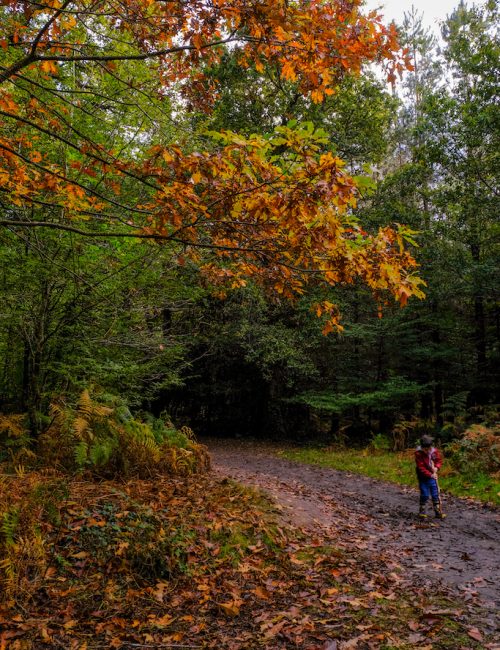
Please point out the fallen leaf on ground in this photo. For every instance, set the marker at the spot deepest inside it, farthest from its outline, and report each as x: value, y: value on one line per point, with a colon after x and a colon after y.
x: 274, y: 630
x: 261, y: 593
x: 231, y: 609
x: 164, y: 621
x: 352, y: 644
x: 80, y: 556
x: 474, y: 633
x: 330, y: 645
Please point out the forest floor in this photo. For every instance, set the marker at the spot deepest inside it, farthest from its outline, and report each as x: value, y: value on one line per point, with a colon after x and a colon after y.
x: 378, y: 518
x: 334, y: 561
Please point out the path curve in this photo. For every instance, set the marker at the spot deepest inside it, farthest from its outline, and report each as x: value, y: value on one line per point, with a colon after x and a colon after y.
x: 462, y: 552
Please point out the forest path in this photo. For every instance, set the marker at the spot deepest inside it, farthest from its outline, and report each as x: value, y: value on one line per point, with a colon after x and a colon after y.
x: 377, y: 518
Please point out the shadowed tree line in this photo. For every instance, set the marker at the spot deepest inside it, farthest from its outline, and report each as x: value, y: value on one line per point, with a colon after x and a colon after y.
x: 143, y: 320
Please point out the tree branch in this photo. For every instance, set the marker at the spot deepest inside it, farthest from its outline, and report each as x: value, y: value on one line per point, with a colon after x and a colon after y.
x: 44, y: 29
x: 9, y: 72
x: 61, y: 138
x: 9, y: 223
x: 32, y: 57
x: 73, y: 182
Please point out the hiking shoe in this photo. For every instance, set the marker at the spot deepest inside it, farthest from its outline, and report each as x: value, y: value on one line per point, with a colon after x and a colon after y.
x: 440, y: 515
x: 421, y: 511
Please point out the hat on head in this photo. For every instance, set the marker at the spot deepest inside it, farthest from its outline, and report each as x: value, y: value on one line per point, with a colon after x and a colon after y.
x: 426, y: 441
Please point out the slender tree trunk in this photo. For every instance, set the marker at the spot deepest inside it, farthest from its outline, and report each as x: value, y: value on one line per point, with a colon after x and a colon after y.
x: 479, y: 324
x: 426, y: 406
x: 436, y: 370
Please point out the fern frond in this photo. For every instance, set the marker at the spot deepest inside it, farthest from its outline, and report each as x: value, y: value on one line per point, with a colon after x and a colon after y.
x: 80, y: 426
x: 141, y: 431
x: 9, y: 580
x: 8, y: 527
x: 80, y: 454
x: 102, y: 411
x: 85, y: 405
x: 32, y: 546
x: 12, y: 425
x: 188, y: 432
x: 57, y: 413
x: 184, y: 461
x: 20, y: 471
x: 101, y: 451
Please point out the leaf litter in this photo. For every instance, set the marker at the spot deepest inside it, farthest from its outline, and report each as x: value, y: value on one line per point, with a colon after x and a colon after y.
x: 199, y: 562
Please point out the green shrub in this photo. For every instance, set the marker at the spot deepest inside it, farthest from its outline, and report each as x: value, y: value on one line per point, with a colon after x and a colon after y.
x: 380, y: 442
x: 477, y: 451
x: 102, y: 436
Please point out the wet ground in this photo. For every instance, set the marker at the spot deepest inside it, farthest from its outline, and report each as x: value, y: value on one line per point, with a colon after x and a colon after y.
x: 461, y: 553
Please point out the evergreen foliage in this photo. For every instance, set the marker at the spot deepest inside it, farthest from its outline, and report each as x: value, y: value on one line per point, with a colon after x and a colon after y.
x: 391, y: 395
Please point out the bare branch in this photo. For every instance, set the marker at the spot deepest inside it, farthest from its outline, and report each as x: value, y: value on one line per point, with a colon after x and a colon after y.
x: 9, y: 223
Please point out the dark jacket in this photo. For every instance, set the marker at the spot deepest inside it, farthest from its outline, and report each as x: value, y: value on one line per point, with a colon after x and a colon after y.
x: 427, y: 460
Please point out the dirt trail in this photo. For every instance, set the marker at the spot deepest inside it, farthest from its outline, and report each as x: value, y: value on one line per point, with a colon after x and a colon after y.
x: 461, y: 553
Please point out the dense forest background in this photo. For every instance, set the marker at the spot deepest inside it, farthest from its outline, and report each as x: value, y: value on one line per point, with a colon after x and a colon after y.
x: 134, y: 318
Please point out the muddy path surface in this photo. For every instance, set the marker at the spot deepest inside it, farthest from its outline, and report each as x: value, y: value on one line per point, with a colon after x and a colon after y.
x: 461, y: 553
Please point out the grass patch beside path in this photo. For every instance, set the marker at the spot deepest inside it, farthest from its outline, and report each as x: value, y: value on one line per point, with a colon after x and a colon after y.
x: 397, y: 468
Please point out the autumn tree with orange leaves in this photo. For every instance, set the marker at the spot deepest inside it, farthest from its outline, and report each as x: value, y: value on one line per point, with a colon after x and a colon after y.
x: 88, y: 87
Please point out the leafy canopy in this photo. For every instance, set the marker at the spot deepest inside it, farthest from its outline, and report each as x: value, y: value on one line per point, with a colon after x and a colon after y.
x: 86, y: 93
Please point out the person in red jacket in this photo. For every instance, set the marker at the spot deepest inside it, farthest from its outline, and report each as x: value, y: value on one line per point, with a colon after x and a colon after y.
x: 428, y: 461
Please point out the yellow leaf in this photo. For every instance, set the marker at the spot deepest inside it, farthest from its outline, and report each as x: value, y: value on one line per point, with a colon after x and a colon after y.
x: 159, y: 592
x: 261, y: 593
x: 49, y: 67
x: 122, y: 546
x: 95, y: 522
x: 288, y: 71
x: 317, y: 96
x: 231, y: 608
x: 80, y: 556
x: 164, y: 621
x: 45, y: 635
